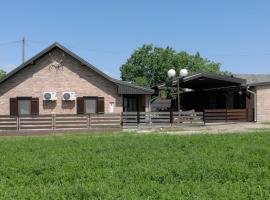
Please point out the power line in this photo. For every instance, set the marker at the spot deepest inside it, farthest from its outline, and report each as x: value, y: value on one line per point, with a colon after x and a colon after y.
x: 83, y: 48
x: 11, y: 42
x: 119, y: 52
x: 240, y: 55
x: 128, y: 53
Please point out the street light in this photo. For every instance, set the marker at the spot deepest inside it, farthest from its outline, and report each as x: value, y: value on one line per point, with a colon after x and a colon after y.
x: 183, y: 73
x: 171, y: 73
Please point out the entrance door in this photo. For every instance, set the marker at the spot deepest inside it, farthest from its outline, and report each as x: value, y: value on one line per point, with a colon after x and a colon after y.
x: 130, y: 104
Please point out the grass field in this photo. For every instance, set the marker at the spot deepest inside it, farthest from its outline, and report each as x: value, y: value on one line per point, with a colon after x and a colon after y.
x: 129, y: 166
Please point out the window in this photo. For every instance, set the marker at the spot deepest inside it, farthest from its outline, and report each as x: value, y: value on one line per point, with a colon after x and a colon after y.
x: 24, y: 107
x: 90, y: 106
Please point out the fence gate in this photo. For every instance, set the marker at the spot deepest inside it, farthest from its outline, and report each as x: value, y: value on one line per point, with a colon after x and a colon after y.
x: 131, y: 120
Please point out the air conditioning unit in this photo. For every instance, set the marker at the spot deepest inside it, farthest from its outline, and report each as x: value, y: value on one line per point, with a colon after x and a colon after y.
x: 49, y: 96
x: 69, y: 96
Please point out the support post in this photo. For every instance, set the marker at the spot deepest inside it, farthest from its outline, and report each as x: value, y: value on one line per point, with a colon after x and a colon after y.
x: 178, y: 96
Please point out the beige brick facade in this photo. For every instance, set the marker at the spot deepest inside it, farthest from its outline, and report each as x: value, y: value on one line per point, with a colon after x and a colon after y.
x: 263, y: 103
x: 37, y: 78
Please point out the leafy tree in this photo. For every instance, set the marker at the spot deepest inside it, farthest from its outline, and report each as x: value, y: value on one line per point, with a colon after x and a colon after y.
x: 2, y: 73
x: 148, y: 65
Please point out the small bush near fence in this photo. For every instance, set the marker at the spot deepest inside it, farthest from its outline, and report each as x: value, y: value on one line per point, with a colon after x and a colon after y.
x: 131, y: 166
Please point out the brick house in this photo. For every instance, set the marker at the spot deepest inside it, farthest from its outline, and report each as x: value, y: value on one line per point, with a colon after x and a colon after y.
x: 58, y: 81
x: 260, y: 84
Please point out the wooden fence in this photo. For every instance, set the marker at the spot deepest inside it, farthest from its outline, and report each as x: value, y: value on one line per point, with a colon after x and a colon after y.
x: 60, y: 121
x: 225, y: 115
x: 160, y: 119
x: 126, y: 120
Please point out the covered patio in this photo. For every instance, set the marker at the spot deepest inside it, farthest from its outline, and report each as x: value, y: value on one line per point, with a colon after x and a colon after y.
x: 206, y: 92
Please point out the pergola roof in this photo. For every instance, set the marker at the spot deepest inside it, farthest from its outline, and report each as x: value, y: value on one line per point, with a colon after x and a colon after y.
x: 203, y: 80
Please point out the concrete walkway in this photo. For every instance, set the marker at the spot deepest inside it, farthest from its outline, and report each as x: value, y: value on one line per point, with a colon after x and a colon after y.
x: 214, y: 128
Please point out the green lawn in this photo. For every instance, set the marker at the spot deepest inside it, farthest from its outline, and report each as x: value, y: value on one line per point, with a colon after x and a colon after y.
x: 130, y: 166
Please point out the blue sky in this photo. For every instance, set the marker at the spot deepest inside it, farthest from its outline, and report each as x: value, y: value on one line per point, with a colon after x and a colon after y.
x: 234, y: 33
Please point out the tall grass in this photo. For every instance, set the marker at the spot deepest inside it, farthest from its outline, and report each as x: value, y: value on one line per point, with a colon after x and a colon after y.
x: 129, y: 166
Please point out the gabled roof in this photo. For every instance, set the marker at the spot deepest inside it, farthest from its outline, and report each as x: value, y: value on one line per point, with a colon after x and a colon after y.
x: 202, y: 80
x: 132, y: 89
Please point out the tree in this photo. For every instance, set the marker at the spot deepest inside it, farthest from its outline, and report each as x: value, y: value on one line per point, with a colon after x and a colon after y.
x: 148, y: 65
x: 2, y: 73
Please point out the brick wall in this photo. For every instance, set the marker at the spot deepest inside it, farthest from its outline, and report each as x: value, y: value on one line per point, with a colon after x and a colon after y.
x: 38, y: 77
x: 263, y: 103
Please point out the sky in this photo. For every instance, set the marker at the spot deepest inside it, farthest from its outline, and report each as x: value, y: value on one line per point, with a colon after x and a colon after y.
x: 235, y: 33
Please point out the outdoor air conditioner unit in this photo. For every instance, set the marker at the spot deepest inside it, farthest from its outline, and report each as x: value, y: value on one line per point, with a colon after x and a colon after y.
x: 69, y: 96
x: 49, y: 96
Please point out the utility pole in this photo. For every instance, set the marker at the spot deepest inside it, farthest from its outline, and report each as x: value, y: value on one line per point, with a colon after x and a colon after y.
x: 23, y: 50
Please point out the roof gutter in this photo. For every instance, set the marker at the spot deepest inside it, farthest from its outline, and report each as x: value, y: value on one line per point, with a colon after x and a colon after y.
x: 255, y: 102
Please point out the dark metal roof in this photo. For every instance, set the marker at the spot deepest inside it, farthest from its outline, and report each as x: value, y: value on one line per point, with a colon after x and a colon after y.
x: 128, y: 86
x: 161, y: 103
x: 203, y: 80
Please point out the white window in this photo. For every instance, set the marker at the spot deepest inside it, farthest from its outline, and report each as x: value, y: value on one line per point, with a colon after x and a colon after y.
x: 90, y: 105
x: 111, y: 107
x: 24, y: 107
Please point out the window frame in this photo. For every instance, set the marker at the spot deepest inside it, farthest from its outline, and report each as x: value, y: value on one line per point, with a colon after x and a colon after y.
x: 29, y: 99
x: 85, y: 104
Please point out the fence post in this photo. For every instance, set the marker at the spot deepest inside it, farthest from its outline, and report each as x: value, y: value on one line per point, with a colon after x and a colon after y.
x: 247, y: 115
x: 89, y: 120
x: 52, y: 121
x: 226, y: 115
x: 204, y: 117
x: 138, y: 118
x: 121, y: 119
x: 150, y: 119
x: 18, y: 122
x: 171, y: 117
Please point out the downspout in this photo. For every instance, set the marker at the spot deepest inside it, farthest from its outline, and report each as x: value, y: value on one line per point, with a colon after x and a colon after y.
x: 255, y: 103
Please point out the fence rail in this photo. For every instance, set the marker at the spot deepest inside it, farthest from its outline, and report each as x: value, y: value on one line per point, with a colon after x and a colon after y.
x: 60, y: 121
x: 225, y: 115
x: 160, y: 119
x: 126, y: 120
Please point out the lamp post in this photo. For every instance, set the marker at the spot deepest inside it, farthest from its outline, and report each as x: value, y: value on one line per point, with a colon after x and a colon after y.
x: 183, y: 73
